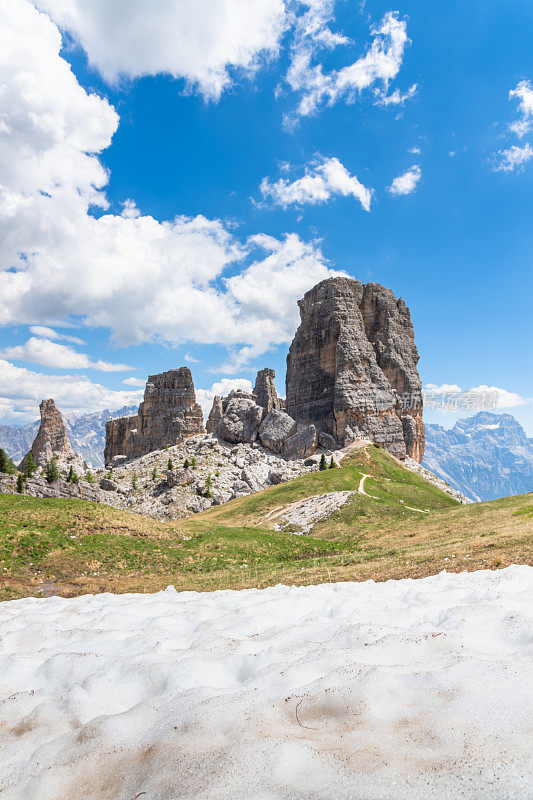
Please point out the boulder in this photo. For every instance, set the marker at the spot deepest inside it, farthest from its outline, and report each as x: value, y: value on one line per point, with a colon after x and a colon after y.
x: 275, y: 428
x: 301, y: 444
x: 241, y: 419
x: 326, y: 441
x: 108, y: 485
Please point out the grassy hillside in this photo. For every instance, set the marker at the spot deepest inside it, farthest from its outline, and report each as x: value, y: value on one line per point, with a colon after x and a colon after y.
x: 68, y: 547
x: 389, y: 483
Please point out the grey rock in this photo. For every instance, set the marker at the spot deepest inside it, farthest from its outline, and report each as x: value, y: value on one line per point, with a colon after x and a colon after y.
x: 240, y: 488
x: 353, y: 364
x: 168, y: 415
x: 265, y: 391
x: 276, y: 427
x: 108, y: 485
x: 179, y: 477
x: 302, y: 443
x: 215, y: 415
x: 326, y: 441
x: 241, y: 419
x: 52, y: 441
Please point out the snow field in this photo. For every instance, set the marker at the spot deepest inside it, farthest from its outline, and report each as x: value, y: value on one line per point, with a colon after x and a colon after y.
x: 408, y: 689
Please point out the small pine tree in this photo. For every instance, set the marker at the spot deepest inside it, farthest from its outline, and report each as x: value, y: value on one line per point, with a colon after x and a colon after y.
x: 323, y: 464
x: 30, y: 466
x: 51, y: 471
x: 134, y: 481
x: 6, y: 464
x: 109, y: 475
x: 75, y: 478
x: 154, y: 474
x: 208, y: 486
x: 193, y: 462
x: 89, y: 477
x: 186, y: 464
x: 332, y: 464
x: 70, y: 474
x: 20, y: 483
x: 217, y: 474
x: 170, y: 465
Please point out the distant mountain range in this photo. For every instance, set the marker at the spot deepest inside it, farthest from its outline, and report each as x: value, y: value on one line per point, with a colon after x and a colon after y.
x: 485, y: 456
x: 86, y: 433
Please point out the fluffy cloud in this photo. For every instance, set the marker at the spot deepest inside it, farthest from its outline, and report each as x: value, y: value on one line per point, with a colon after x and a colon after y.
x: 375, y: 69
x: 134, y: 382
x: 49, y: 333
x: 22, y: 391
x: 58, y: 356
x: 143, y: 279
x: 523, y: 93
x: 450, y: 397
x: 196, y: 40
x: 513, y: 158
x: 221, y: 388
x: 406, y: 182
x: 323, y: 179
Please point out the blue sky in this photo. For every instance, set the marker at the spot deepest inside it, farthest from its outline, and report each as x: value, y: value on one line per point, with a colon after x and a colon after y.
x: 192, y: 125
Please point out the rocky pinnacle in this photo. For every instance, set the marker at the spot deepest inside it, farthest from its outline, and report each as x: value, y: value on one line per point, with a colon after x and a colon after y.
x: 352, y: 367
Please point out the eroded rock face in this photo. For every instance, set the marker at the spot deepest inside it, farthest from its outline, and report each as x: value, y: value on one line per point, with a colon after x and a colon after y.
x: 215, y: 415
x: 51, y: 440
x: 352, y: 367
x: 301, y: 444
x: 265, y: 391
x: 275, y: 428
x: 168, y: 415
x: 241, y: 419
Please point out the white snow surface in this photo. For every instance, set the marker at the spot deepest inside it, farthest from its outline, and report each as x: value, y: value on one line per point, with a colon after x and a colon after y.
x: 408, y: 689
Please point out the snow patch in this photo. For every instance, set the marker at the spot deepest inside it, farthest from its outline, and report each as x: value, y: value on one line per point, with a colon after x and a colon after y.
x: 404, y: 689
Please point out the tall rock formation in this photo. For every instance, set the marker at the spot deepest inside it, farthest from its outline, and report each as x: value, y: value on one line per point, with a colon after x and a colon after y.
x: 215, y: 415
x: 51, y: 440
x: 168, y: 414
x: 352, y: 367
x: 265, y: 391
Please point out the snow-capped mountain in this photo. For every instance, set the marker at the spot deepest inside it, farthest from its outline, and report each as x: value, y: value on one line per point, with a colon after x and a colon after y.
x: 485, y: 456
x: 86, y: 433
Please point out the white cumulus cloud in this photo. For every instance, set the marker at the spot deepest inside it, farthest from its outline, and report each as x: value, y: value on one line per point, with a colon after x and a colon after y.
x: 22, y: 391
x: 451, y: 397
x: 199, y: 41
x: 523, y: 93
x: 145, y: 280
x: 49, y: 333
x: 406, y: 182
x: 134, y: 382
x: 58, y: 356
x: 323, y: 179
x: 378, y: 66
x: 512, y: 159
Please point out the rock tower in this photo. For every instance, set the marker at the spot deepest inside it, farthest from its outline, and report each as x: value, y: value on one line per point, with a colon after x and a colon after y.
x: 168, y: 414
x: 352, y: 367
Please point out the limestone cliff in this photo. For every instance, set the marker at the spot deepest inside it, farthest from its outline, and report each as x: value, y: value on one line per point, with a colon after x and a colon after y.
x: 352, y: 367
x: 168, y: 415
